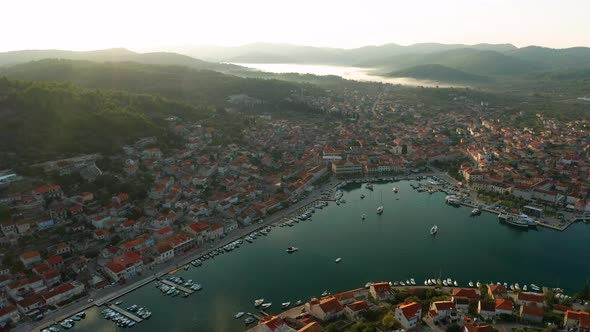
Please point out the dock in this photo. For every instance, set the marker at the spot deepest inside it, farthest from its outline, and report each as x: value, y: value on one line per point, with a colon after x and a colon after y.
x: 125, y: 313
x: 177, y: 286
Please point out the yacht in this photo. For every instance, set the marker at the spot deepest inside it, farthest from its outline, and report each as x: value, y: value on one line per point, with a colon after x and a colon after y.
x: 380, y: 209
x: 258, y: 302
x: 475, y: 212
x: 518, y: 220
x: 292, y: 249
x: 434, y: 230
x: 266, y: 305
x: 239, y: 314
x: 412, y: 281
x: 535, y: 287
x: 516, y: 286
x: 478, y: 284
x: 470, y: 283
x: 54, y: 328
x: 524, y: 288
x: 285, y: 304
x: 445, y: 283
x: 338, y: 260
x: 453, y: 201
x: 394, y: 189
x: 369, y: 186
x: 455, y: 283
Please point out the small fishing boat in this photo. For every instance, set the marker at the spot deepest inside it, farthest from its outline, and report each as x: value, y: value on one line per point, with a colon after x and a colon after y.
x: 266, y: 305
x: 258, y: 302
x: 470, y: 283
x: 338, y: 260
x: 285, y: 304
x: 239, y: 314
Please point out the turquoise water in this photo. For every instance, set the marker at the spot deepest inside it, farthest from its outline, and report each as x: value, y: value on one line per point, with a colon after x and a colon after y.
x: 393, y: 246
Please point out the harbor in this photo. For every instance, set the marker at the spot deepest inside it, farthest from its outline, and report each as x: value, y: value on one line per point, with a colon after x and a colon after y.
x: 233, y: 278
x: 125, y: 313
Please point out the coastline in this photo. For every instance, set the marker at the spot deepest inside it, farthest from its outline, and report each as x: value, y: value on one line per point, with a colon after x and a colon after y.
x: 110, y: 294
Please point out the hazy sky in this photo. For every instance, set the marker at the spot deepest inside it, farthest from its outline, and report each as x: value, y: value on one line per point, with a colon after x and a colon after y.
x: 148, y: 25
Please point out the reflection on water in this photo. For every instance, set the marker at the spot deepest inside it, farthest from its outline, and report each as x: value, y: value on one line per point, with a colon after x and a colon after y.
x: 350, y: 73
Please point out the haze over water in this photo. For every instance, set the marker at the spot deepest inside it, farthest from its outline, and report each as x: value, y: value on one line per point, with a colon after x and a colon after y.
x: 394, y: 246
x: 349, y: 73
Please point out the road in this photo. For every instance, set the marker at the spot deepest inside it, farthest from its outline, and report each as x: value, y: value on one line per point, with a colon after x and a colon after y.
x: 112, y: 292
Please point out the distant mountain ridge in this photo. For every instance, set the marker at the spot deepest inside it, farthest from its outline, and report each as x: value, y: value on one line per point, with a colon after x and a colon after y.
x: 439, y: 73
x: 114, y: 55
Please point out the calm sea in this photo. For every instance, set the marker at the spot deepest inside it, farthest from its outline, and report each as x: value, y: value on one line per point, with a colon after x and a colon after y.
x: 393, y: 246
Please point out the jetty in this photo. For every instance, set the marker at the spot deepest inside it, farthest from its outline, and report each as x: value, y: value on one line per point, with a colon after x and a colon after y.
x: 125, y: 313
x: 177, y: 286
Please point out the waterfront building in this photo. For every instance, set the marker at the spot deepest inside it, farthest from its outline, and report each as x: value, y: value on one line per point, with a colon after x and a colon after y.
x: 408, y: 314
x: 325, y: 309
x: 381, y: 291
x: 504, y: 306
x: 578, y: 320
x: 530, y: 299
x: 440, y: 310
x: 471, y: 294
x: 497, y: 291
x: 354, y: 309
x: 272, y: 324
x: 531, y: 314
x: 347, y: 167
x: 486, y: 309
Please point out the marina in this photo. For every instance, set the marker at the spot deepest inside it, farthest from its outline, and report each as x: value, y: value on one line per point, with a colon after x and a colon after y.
x: 125, y: 313
x: 403, y: 228
x: 177, y: 286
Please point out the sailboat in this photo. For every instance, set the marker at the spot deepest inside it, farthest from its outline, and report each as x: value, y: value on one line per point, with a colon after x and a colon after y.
x: 380, y: 208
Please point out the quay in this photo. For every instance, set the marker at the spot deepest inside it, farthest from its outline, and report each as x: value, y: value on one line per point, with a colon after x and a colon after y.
x: 177, y: 286
x: 131, y: 288
x: 125, y: 313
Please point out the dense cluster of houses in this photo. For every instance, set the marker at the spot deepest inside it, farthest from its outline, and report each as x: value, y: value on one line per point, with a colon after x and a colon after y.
x: 496, y: 305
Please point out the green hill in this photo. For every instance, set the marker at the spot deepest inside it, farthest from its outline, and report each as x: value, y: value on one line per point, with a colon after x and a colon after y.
x: 42, y: 121
x: 113, y: 55
x: 481, y: 62
x: 549, y: 58
x: 439, y: 73
x: 174, y: 82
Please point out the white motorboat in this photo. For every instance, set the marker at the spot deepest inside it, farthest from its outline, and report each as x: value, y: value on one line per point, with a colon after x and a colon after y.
x: 266, y: 305
x: 258, y: 302
x: 239, y: 314
x: 285, y: 304
x: 298, y: 303
x: 292, y: 249
x: 475, y: 212
x: 338, y: 260
x: 368, y: 285
x: 478, y: 284
x: 325, y: 293
x: 455, y: 283
x: 470, y: 283
x: 402, y: 283
x: 394, y: 189
x: 412, y: 281
x: 380, y: 209
x: 249, y: 320
x: 445, y: 283
x: 516, y: 286
x: 362, y: 196
x: 434, y: 230
x: 524, y: 288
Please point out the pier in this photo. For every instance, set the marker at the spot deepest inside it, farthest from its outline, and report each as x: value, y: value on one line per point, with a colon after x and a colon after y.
x: 177, y: 286
x: 125, y: 313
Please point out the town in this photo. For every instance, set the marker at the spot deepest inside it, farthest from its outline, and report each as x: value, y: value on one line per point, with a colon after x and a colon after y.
x: 382, y: 306
x: 80, y: 228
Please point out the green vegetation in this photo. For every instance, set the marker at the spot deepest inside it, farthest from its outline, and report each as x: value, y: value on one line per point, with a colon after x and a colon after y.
x: 439, y: 73
x: 43, y: 121
x: 197, y: 87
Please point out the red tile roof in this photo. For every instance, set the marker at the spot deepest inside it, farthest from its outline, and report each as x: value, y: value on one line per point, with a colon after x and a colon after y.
x: 469, y: 293
x: 497, y: 289
x: 7, y: 310
x: 330, y: 304
x: 55, y: 260
x: 30, y: 254
x: 272, y: 322
x: 115, y: 267
x: 358, y: 305
x: 533, y: 311
x: 443, y: 305
x: 530, y: 297
x: 504, y: 304
x: 410, y: 309
x: 581, y: 316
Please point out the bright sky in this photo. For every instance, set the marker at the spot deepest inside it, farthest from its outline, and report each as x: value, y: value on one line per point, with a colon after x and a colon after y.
x: 151, y: 25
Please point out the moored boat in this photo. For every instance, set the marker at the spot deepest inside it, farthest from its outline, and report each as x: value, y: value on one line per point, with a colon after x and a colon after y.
x: 292, y: 249
x: 434, y: 230
x: 258, y: 302
x: 239, y: 314
x: 285, y: 304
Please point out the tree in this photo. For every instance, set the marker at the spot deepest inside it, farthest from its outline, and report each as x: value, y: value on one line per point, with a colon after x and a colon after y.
x: 584, y: 293
x: 388, y: 320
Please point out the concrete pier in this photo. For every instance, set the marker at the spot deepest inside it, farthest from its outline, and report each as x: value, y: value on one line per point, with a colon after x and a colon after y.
x: 177, y: 286
x: 125, y: 313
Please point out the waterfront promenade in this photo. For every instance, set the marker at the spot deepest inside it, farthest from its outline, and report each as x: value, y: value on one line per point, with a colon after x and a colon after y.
x: 109, y: 294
